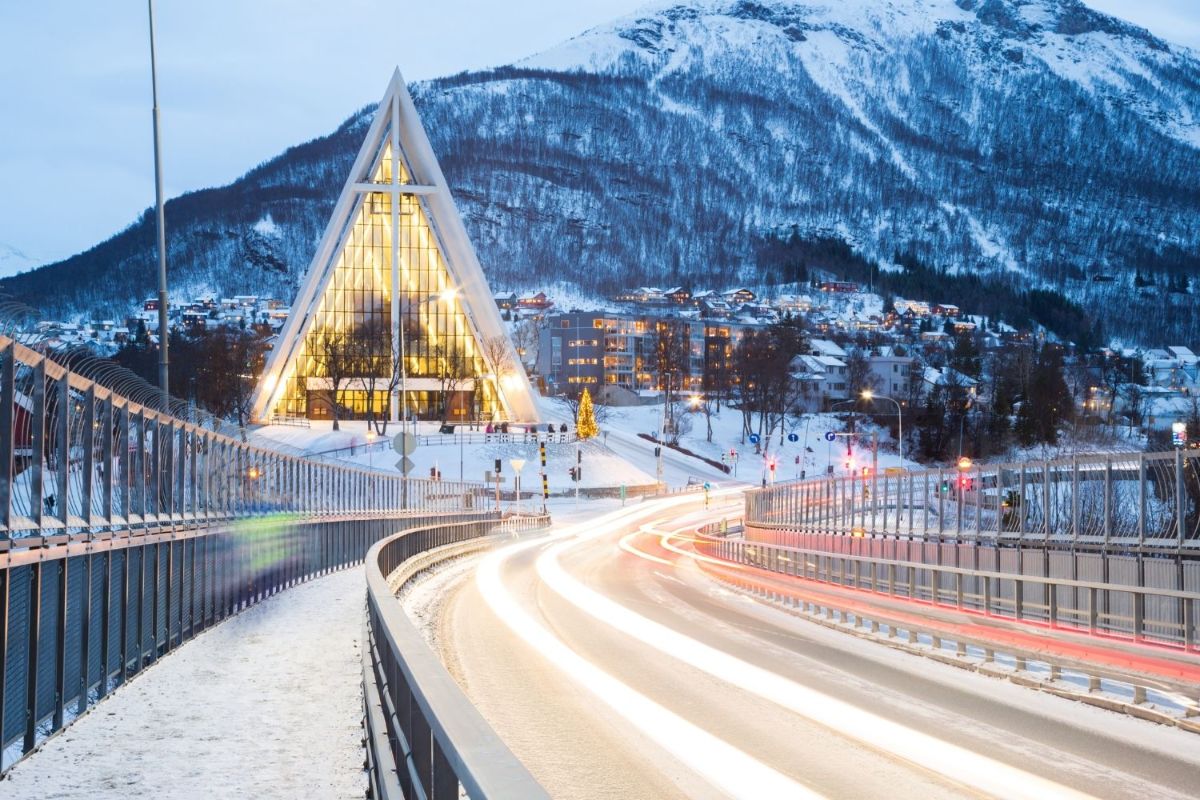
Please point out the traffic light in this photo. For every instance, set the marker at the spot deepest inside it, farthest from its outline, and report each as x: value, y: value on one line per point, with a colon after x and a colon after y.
x: 497, y: 470
x: 866, y: 472
x: 964, y: 483
x: 945, y: 486
x: 771, y: 465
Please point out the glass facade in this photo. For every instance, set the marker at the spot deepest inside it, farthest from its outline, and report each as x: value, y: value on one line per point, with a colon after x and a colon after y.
x: 347, y: 354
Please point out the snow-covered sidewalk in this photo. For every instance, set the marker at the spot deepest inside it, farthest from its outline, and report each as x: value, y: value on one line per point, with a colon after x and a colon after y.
x: 265, y: 705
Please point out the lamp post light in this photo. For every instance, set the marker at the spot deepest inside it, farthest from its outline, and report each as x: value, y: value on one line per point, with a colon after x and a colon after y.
x: 370, y: 445
x: 868, y: 395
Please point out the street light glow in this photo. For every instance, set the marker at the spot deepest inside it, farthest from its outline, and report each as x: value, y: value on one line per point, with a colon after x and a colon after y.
x: 867, y: 394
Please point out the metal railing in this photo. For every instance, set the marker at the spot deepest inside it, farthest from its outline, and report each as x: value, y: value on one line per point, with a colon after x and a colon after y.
x: 125, y: 529
x: 1108, y: 501
x: 1021, y: 586
x: 424, y: 737
x: 81, y: 619
x: 76, y: 457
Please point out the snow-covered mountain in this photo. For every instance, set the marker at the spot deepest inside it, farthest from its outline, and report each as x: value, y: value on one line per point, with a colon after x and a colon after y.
x: 989, y: 146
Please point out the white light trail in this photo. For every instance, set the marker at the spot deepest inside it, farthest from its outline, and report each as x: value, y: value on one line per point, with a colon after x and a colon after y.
x: 729, y: 769
x: 956, y: 763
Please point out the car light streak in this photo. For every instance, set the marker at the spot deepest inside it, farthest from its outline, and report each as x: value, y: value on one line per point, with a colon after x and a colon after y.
x: 956, y: 763
x: 625, y: 545
x: 729, y: 769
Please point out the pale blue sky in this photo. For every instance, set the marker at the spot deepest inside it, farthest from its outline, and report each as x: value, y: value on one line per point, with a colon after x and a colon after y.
x: 239, y: 82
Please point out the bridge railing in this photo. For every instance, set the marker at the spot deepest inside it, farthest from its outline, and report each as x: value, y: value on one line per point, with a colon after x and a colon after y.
x: 424, y: 737
x: 126, y: 529
x: 81, y: 619
x: 1110, y: 501
x: 1037, y: 585
x: 78, y: 457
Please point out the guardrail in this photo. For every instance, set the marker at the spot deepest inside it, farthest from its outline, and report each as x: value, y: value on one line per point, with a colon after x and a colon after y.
x: 82, y: 618
x: 126, y: 529
x: 424, y: 737
x: 1145, y: 501
x: 1141, y: 613
x: 76, y: 457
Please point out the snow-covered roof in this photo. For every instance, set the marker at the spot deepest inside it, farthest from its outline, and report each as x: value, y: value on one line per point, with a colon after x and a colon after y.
x: 827, y: 348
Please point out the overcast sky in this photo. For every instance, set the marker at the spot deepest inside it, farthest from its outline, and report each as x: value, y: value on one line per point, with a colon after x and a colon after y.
x: 240, y: 81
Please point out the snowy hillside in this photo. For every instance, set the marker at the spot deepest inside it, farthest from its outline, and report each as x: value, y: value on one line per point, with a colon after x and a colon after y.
x: 1031, y: 143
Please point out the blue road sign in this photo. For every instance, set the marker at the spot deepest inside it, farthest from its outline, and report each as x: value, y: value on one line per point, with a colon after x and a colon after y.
x: 754, y: 438
x: 793, y: 437
x: 830, y: 436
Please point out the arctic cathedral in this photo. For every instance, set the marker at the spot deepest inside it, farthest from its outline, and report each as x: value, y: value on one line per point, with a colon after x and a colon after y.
x: 395, y: 316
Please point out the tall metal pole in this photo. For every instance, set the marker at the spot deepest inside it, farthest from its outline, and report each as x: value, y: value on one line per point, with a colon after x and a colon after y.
x: 163, y: 337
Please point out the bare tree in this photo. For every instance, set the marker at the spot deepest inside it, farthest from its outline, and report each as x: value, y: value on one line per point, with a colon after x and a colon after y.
x: 526, y: 335
x: 379, y: 372
x: 335, y: 355
x: 453, y: 369
x: 859, y: 377
x: 672, y: 358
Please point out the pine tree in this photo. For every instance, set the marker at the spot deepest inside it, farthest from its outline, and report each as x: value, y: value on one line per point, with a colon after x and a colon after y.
x: 585, y: 423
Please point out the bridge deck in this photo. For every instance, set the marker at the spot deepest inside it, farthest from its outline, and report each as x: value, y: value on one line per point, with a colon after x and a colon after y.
x: 267, y: 704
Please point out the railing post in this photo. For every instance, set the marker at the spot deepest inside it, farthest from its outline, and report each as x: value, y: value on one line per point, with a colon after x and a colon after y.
x: 31, y: 656
x: 1180, y: 499
x: 90, y: 431
x: 7, y: 403
x: 37, y: 443
x: 1141, y: 499
x: 1047, y: 512
x: 62, y: 449
x: 1074, y: 499
x: 1108, y: 509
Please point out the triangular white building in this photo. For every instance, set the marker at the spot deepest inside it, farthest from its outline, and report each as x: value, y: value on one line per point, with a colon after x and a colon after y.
x: 395, y: 251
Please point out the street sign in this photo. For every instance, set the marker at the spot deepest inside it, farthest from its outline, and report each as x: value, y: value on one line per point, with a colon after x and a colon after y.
x: 405, y: 465
x: 404, y: 443
x: 754, y: 438
x: 830, y: 436
x: 517, y: 463
x: 793, y: 437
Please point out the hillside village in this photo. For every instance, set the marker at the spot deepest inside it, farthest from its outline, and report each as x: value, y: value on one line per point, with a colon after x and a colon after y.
x: 854, y: 339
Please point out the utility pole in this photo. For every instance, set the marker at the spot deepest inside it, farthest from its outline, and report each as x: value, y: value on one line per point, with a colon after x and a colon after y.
x: 163, y: 337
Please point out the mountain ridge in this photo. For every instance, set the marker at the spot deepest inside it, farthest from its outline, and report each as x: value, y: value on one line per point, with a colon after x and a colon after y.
x: 1040, y: 144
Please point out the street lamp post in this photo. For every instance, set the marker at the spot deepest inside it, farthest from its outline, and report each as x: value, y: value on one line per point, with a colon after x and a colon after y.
x: 868, y: 395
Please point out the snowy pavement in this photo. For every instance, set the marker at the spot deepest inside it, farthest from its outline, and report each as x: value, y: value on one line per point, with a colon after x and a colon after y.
x: 266, y: 705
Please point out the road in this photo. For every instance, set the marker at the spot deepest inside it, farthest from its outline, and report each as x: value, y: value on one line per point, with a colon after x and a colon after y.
x: 678, y: 468
x: 614, y: 668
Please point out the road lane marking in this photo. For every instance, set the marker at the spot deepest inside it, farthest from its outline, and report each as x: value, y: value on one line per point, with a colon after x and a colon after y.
x: 729, y: 769
x: 927, y: 752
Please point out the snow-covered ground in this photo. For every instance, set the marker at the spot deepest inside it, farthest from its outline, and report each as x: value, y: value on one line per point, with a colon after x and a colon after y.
x: 469, y: 457
x: 814, y: 451
x: 617, y: 457
x: 266, y: 705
